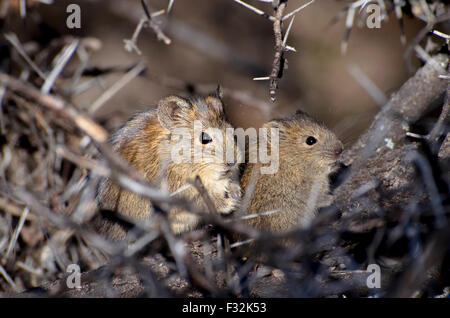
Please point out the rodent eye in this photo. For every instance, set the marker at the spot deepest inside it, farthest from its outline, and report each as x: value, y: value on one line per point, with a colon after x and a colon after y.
x: 311, y: 140
x: 205, y: 138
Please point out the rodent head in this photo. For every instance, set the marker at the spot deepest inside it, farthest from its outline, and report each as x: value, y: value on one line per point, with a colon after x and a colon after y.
x: 199, y: 132
x: 305, y: 140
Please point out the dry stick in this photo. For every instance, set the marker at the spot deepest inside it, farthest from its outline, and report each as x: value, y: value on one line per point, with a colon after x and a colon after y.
x: 175, y: 244
x: 369, y: 86
x: 198, y: 184
x: 110, y: 92
x: 83, y: 162
x: 131, y: 44
x: 256, y: 10
x: 419, y: 37
x: 287, y: 31
x: 64, y: 57
x: 241, y: 243
x: 13, y: 39
x: 183, y: 260
x: 259, y: 214
x: 276, y: 65
x: 348, y: 27
x: 83, y: 56
x: 23, y: 9
x: 8, y: 279
x: 443, y: 119
x: 441, y: 34
x: 4, y: 8
x: 159, y: 33
x: 2, y: 123
x: 16, y: 233
x: 293, y: 13
x: 180, y: 189
x: 170, y: 5
x: 14, y: 210
x: 399, y: 15
x: 58, y: 105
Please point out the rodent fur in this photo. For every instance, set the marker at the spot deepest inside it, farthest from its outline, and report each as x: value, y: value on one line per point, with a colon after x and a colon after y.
x: 301, y: 184
x: 145, y: 142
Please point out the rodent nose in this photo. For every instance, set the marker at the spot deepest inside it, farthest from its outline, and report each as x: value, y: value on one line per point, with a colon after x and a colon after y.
x: 338, y: 150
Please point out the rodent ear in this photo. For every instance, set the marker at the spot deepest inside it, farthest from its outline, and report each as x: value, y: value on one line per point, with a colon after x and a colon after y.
x: 215, y: 102
x: 300, y: 113
x: 219, y: 92
x: 171, y: 110
x: 272, y: 124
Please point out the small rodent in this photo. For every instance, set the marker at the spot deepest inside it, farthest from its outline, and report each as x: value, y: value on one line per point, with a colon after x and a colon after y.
x: 146, y: 142
x: 308, y: 153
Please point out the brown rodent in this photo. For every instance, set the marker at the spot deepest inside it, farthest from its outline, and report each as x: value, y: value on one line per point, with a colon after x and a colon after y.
x: 308, y: 153
x: 146, y: 142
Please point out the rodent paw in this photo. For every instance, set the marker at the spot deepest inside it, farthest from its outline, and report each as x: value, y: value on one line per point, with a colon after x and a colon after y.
x: 230, y: 200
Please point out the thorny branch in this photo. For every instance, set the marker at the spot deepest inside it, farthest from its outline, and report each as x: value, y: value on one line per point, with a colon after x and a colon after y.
x: 278, y: 62
x: 147, y: 19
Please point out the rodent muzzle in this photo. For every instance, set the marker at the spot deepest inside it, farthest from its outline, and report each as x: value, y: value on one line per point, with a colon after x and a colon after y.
x: 338, y: 151
x: 231, y: 164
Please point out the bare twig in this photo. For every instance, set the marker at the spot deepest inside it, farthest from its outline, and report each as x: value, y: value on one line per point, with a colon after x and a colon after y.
x: 198, y: 184
x: 16, y: 233
x: 118, y: 85
x: 170, y: 5
x: 256, y: 10
x: 14, y: 40
x: 60, y: 62
x: 82, y: 121
x: 370, y: 87
x: 8, y: 279
x: 146, y: 19
x: 278, y: 61
x: 444, y: 118
x: 293, y: 13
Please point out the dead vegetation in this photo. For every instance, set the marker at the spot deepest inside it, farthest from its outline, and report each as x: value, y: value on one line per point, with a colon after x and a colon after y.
x: 391, y: 198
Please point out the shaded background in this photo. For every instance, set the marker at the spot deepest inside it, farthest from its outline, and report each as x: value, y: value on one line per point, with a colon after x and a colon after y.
x: 222, y: 42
